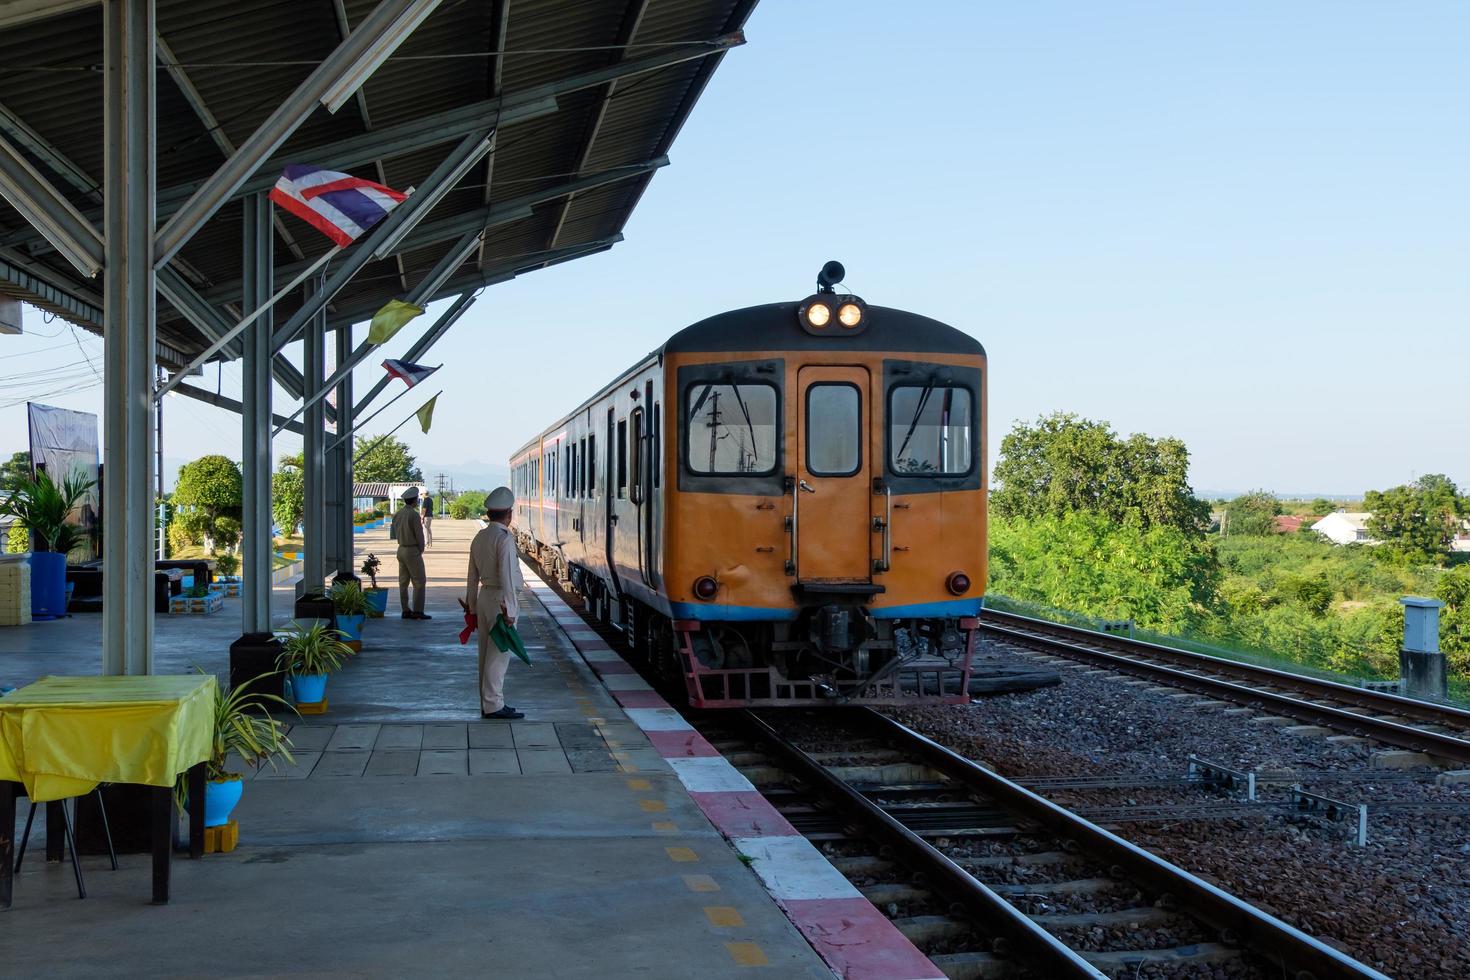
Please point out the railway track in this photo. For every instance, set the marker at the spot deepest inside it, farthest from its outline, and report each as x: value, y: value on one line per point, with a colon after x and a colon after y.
x: 991, y: 879
x: 1440, y: 731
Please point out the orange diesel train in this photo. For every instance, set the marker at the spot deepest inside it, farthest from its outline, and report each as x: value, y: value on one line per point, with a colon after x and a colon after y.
x: 782, y: 505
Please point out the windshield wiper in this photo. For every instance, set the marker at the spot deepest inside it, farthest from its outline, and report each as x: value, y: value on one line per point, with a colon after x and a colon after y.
x: 918, y: 412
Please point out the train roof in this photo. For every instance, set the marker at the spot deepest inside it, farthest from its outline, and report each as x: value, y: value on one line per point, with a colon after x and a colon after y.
x: 775, y: 326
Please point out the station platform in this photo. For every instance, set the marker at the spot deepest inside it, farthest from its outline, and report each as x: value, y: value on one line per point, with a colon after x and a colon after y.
x: 413, y: 838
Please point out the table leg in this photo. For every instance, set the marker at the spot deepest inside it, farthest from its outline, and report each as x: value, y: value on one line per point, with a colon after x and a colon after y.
x: 7, y: 842
x: 55, y: 831
x: 163, y: 838
x: 196, y: 811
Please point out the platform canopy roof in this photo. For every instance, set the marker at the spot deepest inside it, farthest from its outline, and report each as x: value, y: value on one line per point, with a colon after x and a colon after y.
x: 585, y: 97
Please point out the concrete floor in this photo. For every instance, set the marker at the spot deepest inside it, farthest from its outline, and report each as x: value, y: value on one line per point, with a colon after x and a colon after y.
x: 413, y: 838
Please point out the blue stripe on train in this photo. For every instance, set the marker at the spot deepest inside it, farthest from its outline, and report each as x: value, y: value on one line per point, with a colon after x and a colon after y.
x: 919, y: 610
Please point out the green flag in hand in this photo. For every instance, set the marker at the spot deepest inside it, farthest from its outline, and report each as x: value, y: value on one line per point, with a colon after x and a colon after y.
x: 508, y: 639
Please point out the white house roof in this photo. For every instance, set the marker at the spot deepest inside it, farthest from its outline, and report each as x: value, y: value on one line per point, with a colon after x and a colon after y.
x: 1357, y: 520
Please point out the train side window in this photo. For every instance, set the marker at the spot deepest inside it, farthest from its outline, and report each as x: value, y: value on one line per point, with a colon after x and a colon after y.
x: 834, y: 429
x: 656, y: 445
x: 622, y: 457
x: 636, y: 478
x: 731, y: 428
x: 930, y: 429
x: 591, y: 466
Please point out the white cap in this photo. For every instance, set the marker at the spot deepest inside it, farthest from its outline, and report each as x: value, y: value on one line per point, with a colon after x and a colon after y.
x: 500, y: 499
x: 412, y: 493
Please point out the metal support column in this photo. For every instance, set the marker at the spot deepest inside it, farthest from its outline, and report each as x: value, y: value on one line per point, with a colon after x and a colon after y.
x: 313, y: 523
x: 128, y: 212
x: 339, y: 468
x: 255, y: 421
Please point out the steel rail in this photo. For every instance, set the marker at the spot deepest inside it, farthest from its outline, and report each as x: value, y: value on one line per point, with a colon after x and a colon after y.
x: 1441, y: 746
x: 1237, y: 921
x: 1026, y: 939
x: 1388, y: 703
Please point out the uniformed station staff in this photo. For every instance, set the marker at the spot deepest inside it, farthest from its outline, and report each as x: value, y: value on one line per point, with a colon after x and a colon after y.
x: 494, y: 577
x: 408, y: 531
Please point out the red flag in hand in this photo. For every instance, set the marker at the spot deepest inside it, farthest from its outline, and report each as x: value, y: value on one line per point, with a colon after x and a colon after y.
x: 471, y: 623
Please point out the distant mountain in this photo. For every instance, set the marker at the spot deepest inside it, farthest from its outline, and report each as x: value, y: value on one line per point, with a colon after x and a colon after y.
x: 467, y: 475
x: 1207, y: 494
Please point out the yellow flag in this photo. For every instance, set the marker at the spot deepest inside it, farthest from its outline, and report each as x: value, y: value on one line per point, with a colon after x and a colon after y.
x: 426, y: 414
x: 390, y: 319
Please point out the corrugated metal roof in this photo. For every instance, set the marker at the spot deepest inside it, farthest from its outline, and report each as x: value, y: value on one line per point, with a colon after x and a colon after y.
x: 244, y: 57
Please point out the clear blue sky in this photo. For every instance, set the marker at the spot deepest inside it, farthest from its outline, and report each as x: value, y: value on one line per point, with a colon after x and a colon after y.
x: 1242, y: 224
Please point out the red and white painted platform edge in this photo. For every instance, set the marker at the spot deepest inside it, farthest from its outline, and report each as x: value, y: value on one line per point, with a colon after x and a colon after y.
x: 853, y: 937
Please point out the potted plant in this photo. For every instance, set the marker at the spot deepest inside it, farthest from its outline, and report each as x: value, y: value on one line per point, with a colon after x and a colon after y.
x: 43, y: 506
x: 242, y: 727
x: 310, y: 655
x: 351, y: 606
x: 377, y: 598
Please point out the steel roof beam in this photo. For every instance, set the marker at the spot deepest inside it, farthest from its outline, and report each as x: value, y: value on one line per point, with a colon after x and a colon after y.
x: 224, y: 401
x: 342, y: 71
x: 476, y: 279
x: 401, y: 218
x: 416, y: 134
x: 626, y: 33
x: 212, y: 126
x: 49, y: 212
x: 23, y: 135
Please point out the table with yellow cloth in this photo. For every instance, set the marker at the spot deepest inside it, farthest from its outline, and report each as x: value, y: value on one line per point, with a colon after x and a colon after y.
x: 62, y: 736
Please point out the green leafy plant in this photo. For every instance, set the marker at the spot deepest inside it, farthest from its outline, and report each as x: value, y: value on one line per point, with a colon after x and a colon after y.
x: 348, y: 598
x: 312, y: 650
x: 370, y: 566
x: 244, y: 727
x: 44, y: 505
x: 227, y: 564
x: 197, y: 592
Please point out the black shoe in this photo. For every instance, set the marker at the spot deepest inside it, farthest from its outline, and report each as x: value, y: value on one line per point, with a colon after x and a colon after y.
x: 506, y: 713
x: 422, y: 616
x: 409, y: 615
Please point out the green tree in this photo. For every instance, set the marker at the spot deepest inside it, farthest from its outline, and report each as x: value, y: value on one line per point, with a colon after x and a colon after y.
x: 288, y: 494
x: 1322, y: 506
x: 17, y: 539
x: 1416, y: 522
x: 1454, y: 624
x: 386, y: 461
x: 1161, y: 577
x: 14, y: 470
x: 1065, y: 464
x: 209, y: 489
x: 470, y: 503
x: 1252, y: 513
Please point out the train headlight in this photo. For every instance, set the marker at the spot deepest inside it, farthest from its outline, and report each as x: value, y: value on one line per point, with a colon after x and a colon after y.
x: 706, y: 588
x: 958, y: 583
x: 850, y: 314
x: 817, y: 313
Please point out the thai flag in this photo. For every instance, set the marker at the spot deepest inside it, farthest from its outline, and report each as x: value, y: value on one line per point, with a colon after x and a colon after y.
x: 339, y: 206
x: 410, y: 372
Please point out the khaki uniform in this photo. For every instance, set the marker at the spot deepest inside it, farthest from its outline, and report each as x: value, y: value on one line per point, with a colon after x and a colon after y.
x: 408, y: 531
x: 494, y: 577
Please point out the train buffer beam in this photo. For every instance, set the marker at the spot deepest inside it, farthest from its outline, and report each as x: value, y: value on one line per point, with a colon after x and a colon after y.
x: 1215, y: 774
x: 1352, y: 815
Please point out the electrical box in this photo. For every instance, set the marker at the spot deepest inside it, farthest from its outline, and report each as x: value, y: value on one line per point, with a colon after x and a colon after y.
x: 10, y: 315
x: 1421, y: 624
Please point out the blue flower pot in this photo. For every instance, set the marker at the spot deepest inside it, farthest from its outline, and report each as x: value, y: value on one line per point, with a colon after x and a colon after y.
x: 350, y: 627
x: 309, y: 688
x: 220, y: 799
x: 48, y: 584
x: 377, y: 600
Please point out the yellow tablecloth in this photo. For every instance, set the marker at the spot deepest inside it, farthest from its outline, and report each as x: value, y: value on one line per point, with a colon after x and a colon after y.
x: 61, y: 736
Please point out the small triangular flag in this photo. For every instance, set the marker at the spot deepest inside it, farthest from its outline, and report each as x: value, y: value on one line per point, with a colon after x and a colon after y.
x: 390, y: 319
x: 426, y: 414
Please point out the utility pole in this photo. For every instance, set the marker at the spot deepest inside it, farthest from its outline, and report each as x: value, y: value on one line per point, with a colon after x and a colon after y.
x: 713, y: 424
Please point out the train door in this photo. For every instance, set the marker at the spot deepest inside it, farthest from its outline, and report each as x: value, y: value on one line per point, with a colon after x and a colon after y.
x: 610, y: 494
x: 833, y: 495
